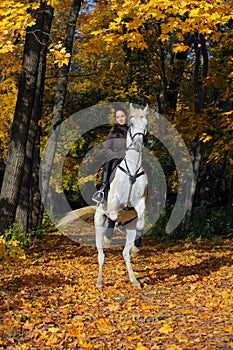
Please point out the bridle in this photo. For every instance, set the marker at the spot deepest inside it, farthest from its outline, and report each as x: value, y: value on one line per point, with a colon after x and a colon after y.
x: 137, y: 133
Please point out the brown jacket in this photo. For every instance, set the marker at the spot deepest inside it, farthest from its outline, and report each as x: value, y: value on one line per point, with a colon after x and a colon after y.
x: 115, y: 144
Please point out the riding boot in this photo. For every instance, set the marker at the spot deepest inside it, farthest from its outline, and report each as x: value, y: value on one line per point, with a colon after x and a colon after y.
x: 101, y: 195
x: 105, y: 178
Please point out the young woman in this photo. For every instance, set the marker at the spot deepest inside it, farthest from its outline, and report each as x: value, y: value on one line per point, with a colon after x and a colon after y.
x: 115, y: 148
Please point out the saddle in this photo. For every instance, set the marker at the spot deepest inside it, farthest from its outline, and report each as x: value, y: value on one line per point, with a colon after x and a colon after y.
x: 112, y: 175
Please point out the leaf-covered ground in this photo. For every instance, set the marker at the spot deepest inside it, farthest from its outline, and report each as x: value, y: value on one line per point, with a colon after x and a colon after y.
x: 49, y: 301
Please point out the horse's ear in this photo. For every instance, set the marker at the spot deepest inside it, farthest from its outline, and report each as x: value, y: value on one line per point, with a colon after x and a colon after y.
x: 131, y: 108
x: 146, y: 109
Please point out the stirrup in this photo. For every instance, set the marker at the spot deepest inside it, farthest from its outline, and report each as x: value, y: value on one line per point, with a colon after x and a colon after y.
x: 98, y: 197
x: 120, y: 227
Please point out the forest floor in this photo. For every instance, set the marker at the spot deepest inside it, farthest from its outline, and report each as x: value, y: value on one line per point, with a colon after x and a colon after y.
x: 49, y: 300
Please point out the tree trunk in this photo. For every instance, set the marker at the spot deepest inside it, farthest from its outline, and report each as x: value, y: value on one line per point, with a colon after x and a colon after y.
x: 28, y: 199
x: 34, y: 216
x: 59, y: 99
x: 197, y: 156
x: 200, y: 74
x: 229, y: 210
x: 172, y: 65
x: 200, y: 96
x: 17, y: 149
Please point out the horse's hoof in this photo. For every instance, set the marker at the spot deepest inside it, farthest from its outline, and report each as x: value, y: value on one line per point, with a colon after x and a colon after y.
x: 134, y: 251
x: 106, y: 242
x: 137, y: 285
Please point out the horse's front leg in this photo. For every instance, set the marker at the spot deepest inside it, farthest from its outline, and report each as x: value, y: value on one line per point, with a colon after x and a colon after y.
x: 130, y: 237
x: 113, y: 205
x: 140, y: 208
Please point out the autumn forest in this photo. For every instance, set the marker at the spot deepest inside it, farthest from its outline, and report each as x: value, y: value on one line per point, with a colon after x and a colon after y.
x: 61, y: 57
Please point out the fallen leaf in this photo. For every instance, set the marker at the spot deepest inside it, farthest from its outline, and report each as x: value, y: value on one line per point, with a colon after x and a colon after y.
x: 166, y: 329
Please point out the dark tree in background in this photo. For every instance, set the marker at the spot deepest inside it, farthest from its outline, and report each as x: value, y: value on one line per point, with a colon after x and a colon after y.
x: 15, y: 192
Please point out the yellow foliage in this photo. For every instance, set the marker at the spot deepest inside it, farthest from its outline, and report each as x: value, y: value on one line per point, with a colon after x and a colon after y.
x: 8, y: 92
x: 14, y: 18
x: 61, y: 57
x: 180, y: 47
x: 205, y: 137
x: 182, y: 17
x: 11, y: 250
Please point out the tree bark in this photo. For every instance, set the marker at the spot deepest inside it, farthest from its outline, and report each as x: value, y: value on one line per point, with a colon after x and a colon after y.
x: 197, y: 157
x: 59, y: 99
x: 19, y: 133
x: 200, y: 73
x: 29, y: 198
x: 229, y: 210
x: 172, y: 65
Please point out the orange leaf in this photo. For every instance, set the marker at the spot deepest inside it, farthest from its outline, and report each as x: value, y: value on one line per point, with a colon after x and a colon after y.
x: 229, y: 329
x: 145, y: 307
x: 140, y: 347
x: 104, y: 326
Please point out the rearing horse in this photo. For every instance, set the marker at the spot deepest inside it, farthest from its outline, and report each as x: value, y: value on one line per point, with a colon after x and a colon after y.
x: 128, y: 189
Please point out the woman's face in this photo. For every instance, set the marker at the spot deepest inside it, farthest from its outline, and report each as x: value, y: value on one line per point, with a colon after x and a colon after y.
x: 121, y: 117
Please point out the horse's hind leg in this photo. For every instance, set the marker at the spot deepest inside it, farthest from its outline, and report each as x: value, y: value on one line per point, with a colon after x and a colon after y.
x: 100, y: 228
x: 99, y: 245
x: 130, y: 237
x: 99, y: 282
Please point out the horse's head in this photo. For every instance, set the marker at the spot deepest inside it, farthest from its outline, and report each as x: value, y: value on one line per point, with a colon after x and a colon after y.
x: 138, y: 126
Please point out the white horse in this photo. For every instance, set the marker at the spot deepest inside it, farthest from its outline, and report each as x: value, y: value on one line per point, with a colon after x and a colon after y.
x: 128, y: 189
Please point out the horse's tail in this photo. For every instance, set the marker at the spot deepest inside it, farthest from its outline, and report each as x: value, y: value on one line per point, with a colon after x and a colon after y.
x: 85, y: 213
